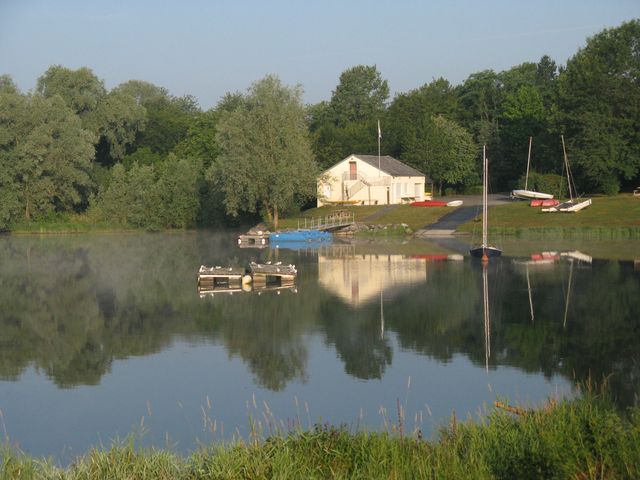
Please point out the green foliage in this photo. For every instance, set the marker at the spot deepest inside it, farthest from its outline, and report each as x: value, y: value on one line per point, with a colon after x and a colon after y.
x: 585, y: 438
x: 265, y: 162
x: 446, y: 152
x: 599, y: 107
x: 115, y: 118
x: 359, y: 96
x: 163, y: 195
x: 45, y: 156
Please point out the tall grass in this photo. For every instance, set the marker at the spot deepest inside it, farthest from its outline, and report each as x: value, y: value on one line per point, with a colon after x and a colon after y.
x: 582, y: 438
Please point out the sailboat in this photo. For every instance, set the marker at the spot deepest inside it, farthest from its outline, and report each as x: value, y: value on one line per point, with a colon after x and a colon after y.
x: 571, y: 205
x: 484, y: 250
x: 530, y: 194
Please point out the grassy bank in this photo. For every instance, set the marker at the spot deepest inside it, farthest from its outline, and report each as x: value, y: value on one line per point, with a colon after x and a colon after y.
x: 414, y: 217
x: 583, y: 438
x: 615, y: 217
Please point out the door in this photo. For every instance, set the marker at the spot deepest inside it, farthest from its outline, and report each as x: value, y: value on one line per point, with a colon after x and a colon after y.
x: 353, y: 171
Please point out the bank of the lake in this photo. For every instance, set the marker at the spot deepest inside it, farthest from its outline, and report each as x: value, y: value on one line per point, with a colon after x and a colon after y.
x: 607, y: 218
x: 580, y: 438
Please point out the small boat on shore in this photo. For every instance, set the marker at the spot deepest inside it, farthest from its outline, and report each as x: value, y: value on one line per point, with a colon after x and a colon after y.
x: 436, y: 203
x: 551, y: 202
x: 525, y: 194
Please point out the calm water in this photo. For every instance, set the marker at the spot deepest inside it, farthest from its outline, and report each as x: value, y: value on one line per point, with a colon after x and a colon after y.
x: 105, y: 335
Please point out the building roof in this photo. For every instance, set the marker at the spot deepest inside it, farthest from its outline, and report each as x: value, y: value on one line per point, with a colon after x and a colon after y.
x: 391, y: 166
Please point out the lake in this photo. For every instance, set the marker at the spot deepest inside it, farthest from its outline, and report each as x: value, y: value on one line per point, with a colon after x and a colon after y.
x: 105, y: 336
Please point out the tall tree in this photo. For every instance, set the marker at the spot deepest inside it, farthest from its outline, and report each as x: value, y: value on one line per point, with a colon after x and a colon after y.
x: 115, y: 118
x: 265, y: 160
x: 45, y: 155
x: 446, y: 152
x: 600, y: 108
x: 361, y: 94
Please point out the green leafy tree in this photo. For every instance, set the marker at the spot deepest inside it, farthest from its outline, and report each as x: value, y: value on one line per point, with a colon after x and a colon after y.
x: 168, y: 118
x: 265, y: 160
x: 446, y: 152
x: 361, y: 94
x: 403, y: 123
x: 177, y: 187
x: 45, y: 155
x: 115, y: 118
x: 599, y: 103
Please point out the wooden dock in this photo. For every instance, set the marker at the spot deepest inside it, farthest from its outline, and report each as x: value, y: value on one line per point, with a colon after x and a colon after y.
x: 257, y: 276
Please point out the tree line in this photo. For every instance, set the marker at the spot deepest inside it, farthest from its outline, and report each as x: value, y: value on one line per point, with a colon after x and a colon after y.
x: 138, y: 156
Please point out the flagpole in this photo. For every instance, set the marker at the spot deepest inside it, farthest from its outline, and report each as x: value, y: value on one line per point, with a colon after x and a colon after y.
x: 379, y: 137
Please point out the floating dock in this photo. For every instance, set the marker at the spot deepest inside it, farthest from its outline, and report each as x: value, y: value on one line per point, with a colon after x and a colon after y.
x: 257, y: 276
x: 254, y: 239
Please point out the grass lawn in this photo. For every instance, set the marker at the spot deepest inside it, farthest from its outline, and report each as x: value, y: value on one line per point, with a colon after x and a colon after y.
x: 415, y: 217
x: 618, y: 215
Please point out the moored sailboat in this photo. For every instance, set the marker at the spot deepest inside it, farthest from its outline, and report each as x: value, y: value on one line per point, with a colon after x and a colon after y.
x: 485, y: 250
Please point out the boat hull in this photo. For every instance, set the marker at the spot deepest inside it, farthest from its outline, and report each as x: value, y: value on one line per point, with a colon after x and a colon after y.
x: 544, y: 203
x: 436, y: 203
x: 479, y: 252
x: 299, y: 236
x: 530, y: 195
x: 570, y: 206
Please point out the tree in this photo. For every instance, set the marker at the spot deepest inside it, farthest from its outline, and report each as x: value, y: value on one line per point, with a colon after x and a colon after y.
x: 45, y: 155
x: 599, y: 104
x: 446, y: 153
x: 115, y: 118
x: 405, y: 115
x: 265, y: 160
x: 360, y: 95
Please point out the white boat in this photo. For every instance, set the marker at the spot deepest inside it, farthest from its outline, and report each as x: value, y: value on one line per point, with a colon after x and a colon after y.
x: 485, y: 251
x: 454, y: 203
x: 573, y: 204
x: 530, y: 195
x: 525, y: 194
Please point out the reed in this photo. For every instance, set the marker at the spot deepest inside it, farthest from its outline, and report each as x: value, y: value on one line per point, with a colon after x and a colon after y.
x: 580, y: 438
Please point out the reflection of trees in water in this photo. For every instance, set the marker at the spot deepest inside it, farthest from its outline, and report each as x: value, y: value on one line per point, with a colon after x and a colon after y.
x: 71, y: 305
x: 357, y: 338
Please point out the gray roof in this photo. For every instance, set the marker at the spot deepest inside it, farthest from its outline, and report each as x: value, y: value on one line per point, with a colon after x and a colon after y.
x: 391, y: 166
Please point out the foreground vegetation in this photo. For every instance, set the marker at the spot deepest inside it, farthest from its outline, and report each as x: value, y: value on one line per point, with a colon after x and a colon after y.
x: 582, y: 438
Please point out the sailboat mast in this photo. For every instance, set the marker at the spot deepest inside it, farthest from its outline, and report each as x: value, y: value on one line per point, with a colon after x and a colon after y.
x: 526, y: 178
x: 484, y: 194
x: 566, y: 166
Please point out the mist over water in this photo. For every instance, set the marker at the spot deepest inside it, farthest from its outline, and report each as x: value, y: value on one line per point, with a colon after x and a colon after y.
x: 107, y: 335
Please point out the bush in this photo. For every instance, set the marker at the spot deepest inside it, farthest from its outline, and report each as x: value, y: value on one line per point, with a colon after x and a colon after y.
x: 473, y: 190
x: 546, y: 183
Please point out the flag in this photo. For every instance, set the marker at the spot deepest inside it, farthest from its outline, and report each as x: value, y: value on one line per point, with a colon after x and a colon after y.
x: 379, y: 131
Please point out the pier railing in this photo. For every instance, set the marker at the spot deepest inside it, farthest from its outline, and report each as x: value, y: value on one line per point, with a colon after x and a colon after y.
x: 327, y: 222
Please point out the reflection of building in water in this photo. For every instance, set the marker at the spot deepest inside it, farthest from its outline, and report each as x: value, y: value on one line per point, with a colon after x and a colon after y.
x: 360, y: 278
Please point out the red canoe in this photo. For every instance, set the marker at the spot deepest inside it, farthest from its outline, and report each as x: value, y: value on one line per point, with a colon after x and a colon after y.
x: 428, y: 203
x: 544, y: 203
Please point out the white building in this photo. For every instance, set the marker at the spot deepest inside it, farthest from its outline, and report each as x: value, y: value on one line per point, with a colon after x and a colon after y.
x: 370, y: 180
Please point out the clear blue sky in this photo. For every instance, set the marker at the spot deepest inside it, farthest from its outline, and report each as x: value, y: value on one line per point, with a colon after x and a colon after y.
x: 208, y: 48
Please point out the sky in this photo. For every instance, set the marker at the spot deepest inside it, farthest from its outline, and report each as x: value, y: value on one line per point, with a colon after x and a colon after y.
x: 208, y: 48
